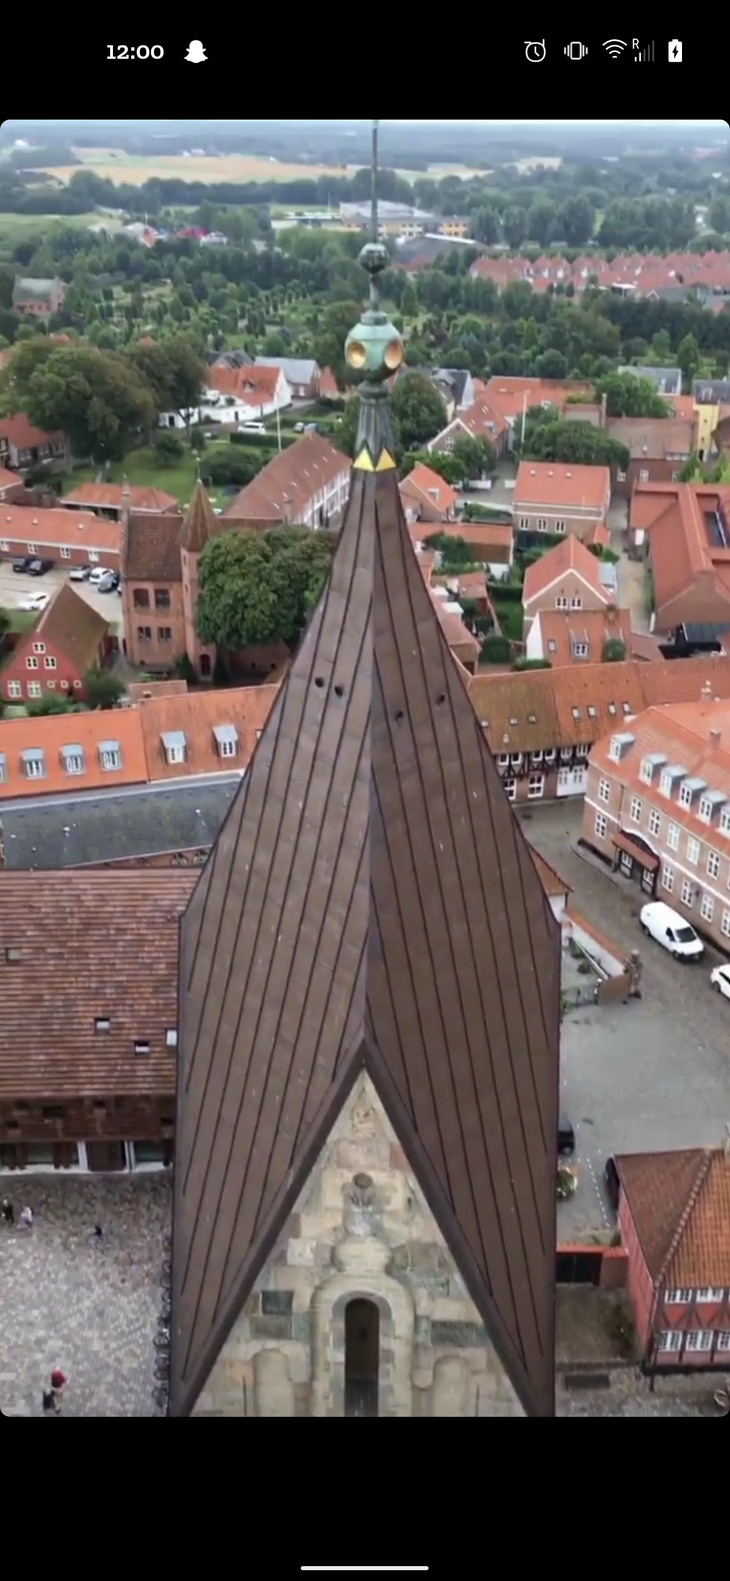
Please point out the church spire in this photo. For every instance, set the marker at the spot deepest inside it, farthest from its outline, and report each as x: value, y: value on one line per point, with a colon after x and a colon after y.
x: 374, y: 350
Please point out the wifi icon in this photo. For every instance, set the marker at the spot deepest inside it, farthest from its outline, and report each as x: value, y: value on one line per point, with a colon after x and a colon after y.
x: 615, y: 46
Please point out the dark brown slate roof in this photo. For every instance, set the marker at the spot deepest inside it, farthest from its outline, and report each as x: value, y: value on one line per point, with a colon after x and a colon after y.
x: 370, y: 902
x: 152, y: 548
x: 199, y: 522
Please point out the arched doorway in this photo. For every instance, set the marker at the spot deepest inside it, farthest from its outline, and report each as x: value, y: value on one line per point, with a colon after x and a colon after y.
x: 362, y: 1358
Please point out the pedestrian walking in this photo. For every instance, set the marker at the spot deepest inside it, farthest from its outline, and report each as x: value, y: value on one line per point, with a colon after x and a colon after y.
x: 98, y: 1235
x: 58, y: 1384
x: 26, y: 1218
x: 49, y: 1404
x: 8, y: 1212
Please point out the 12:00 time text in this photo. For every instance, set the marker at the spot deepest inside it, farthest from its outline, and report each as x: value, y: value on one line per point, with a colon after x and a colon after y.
x: 134, y: 52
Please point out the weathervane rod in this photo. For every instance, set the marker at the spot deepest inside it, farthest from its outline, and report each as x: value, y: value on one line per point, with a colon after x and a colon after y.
x: 374, y: 207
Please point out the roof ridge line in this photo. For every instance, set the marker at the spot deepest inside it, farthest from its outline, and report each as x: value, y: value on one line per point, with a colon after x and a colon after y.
x: 700, y: 1178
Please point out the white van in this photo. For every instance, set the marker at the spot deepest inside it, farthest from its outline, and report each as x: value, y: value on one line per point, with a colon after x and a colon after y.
x: 671, y: 931
x: 253, y: 428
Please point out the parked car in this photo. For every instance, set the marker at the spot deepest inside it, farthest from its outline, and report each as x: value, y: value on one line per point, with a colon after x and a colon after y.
x: 34, y: 601
x: 79, y: 573
x: 21, y: 566
x: 106, y: 584
x: 40, y: 567
x: 253, y: 428
x: 566, y: 1136
x: 98, y: 574
x: 670, y: 930
x: 611, y: 1182
x: 720, y: 979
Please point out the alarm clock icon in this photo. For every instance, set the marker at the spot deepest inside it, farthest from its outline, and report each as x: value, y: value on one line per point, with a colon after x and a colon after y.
x: 535, y: 52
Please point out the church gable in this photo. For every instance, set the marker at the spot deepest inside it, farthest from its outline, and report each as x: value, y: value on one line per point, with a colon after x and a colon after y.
x: 360, y: 1310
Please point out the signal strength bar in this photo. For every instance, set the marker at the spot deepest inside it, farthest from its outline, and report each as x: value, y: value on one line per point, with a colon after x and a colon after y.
x: 644, y: 54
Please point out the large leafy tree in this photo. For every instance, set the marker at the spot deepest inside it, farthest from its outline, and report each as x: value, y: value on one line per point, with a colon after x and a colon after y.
x: 96, y: 397
x: 173, y: 371
x: 260, y: 588
x: 418, y: 409
x: 630, y: 396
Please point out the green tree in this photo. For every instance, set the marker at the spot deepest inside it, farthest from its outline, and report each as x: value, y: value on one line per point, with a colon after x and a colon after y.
x: 418, y: 409
x: 168, y: 448
x: 29, y: 356
x: 542, y: 221
x: 409, y: 302
x: 614, y: 651
x: 473, y: 457
x: 50, y: 703
x: 103, y: 688
x: 439, y: 462
x: 551, y: 439
x: 96, y: 397
x: 688, y: 358
x: 173, y: 371
x: 627, y: 395
x: 333, y: 329
x: 4, y: 625
x: 576, y: 220
x: 692, y: 471
x: 260, y: 588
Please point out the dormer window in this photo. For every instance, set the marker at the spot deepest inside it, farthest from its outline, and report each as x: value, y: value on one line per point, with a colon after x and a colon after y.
x: 72, y: 759
x: 580, y: 650
x: 3, y: 769
x: 34, y: 764
x: 174, y: 746
x: 649, y: 765
x: 671, y: 777
x: 226, y: 740
x: 141, y: 1046
x: 690, y: 790
x: 619, y: 746
x: 110, y: 756
x: 611, y: 708
x: 725, y: 821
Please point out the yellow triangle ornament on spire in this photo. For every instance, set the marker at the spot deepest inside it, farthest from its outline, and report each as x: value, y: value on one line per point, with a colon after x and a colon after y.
x: 364, y: 462
x: 386, y: 462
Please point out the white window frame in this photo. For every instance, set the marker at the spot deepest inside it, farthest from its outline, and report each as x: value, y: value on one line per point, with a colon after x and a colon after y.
x: 699, y: 1339
x: 655, y: 822
x: 509, y: 786
x: 580, y: 650
x: 561, y: 601
x: 614, y: 750
x: 669, y: 1340
x: 559, y: 525
x: 643, y: 476
x: 673, y: 833
x: 723, y: 1339
x: 600, y: 825
x: 636, y: 808
x: 685, y: 796
x: 678, y: 1298
x: 32, y: 550
x: 65, y: 552
x: 175, y: 755
x: 110, y: 761
x: 227, y: 749
x: 604, y: 791
x: 725, y: 924
x: 14, y: 689
x: 646, y: 771
x: 535, y: 787
x: 704, y: 811
x: 668, y: 878
x: 35, y: 689
x: 665, y: 784
x: 707, y: 907
x: 31, y: 662
x: 687, y: 893
x: 39, y: 647
x: 35, y: 768
x: 576, y: 601
x: 710, y: 1295
x: 725, y: 821
x: 713, y: 864
x: 694, y: 850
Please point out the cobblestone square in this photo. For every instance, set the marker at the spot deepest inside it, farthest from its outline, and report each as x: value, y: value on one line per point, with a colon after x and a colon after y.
x: 90, y: 1310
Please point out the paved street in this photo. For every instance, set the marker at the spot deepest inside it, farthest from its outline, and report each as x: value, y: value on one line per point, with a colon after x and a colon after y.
x: 644, y: 1076
x: 13, y: 588
x: 92, y: 1311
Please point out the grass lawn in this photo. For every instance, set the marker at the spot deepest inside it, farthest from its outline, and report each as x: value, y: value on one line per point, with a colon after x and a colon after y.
x: 143, y: 470
x: 21, y: 620
x: 20, y: 225
x: 510, y: 618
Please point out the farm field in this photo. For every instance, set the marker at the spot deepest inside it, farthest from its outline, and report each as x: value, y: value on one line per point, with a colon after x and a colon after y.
x: 20, y: 225
x: 115, y: 165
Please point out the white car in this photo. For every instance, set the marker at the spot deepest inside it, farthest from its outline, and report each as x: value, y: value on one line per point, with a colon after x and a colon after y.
x: 720, y: 979
x: 671, y: 931
x: 34, y: 601
x: 79, y: 573
x: 98, y: 574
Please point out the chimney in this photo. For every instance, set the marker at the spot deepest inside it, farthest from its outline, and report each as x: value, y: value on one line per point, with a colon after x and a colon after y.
x: 715, y: 739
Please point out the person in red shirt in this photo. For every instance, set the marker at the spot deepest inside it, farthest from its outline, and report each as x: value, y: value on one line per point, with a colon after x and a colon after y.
x: 58, y: 1384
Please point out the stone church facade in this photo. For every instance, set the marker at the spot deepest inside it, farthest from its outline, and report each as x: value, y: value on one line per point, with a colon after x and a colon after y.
x: 361, y: 1310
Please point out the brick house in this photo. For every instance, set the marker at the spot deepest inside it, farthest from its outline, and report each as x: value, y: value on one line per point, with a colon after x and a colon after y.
x: 204, y: 733
x: 306, y: 485
x: 542, y: 724
x: 111, y: 499
x: 568, y: 577
x: 67, y: 754
x: 501, y: 405
x: 580, y: 636
x: 301, y: 373
x: 683, y: 529
x: 550, y: 497
x: 259, y: 392
x: 427, y: 498
x: 38, y: 298
x: 88, y: 1055
x: 155, y: 629
x: 657, y: 801
x: 658, y: 449
x: 71, y: 537
x: 481, y: 420
x: 22, y: 446
x: 55, y: 655
x: 490, y: 543
x: 674, y: 1219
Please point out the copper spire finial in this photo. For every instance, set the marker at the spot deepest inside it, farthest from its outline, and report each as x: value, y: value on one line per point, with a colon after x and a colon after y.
x: 374, y: 348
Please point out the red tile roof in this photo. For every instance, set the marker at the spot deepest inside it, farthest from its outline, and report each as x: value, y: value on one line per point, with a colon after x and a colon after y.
x: 9, y: 480
x: 290, y: 482
x: 561, y: 629
x: 427, y: 486
x: 254, y: 386
x: 196, y: 716
x: 55, y: 529
x: 680, y: 1206
x: 120, y: 932
x: 485, y: 536
x: 552, y: 483
x: 111, y: 496
x: 682, y: 553
x: 511, y: 396
x: 482, y: 420
x: 553, y: 566
x: 19, y: 431
x: 681, y: 731
x: 51, y: 732
x: 653, y: 438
